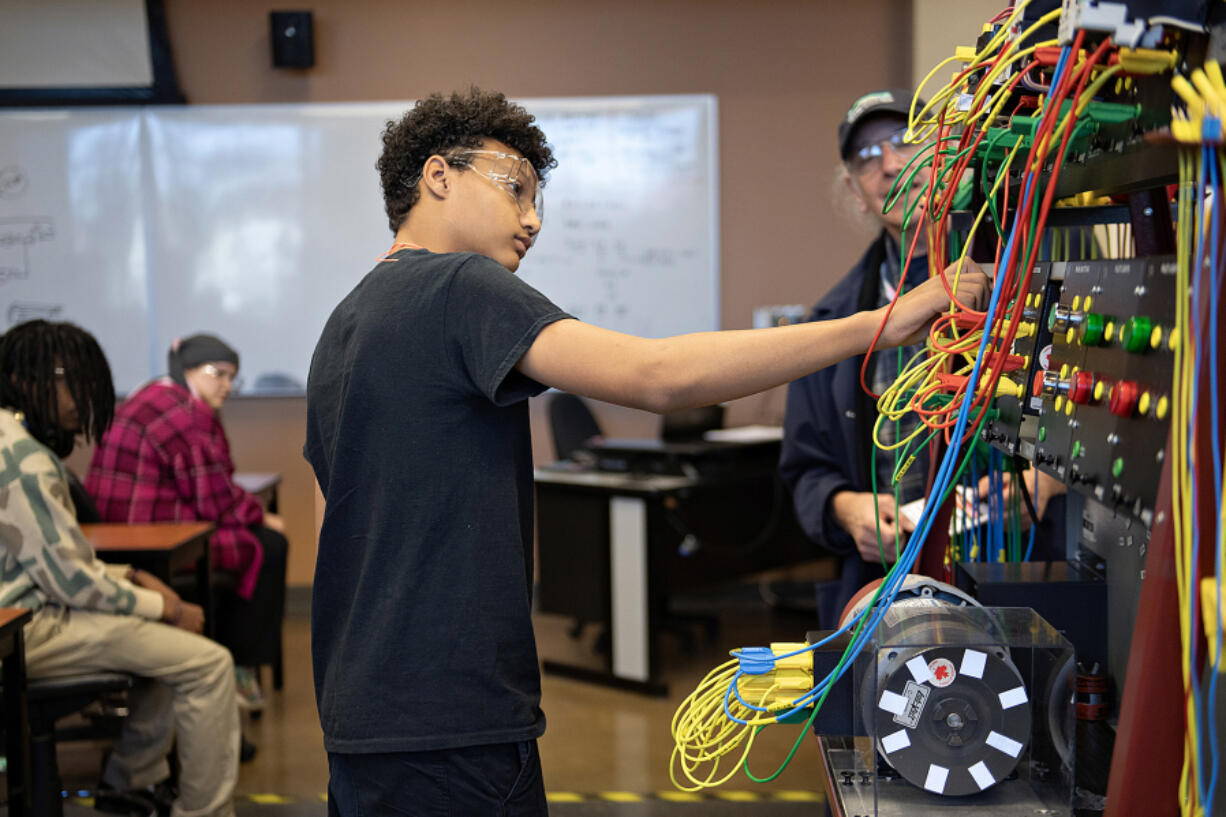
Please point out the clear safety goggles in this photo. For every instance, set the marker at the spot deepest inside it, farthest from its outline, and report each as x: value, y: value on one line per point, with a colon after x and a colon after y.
x: 514, y: 175
x: 868, y: 158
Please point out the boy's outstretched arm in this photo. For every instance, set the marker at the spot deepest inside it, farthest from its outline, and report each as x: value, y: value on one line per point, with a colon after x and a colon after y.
x: 702, y: 368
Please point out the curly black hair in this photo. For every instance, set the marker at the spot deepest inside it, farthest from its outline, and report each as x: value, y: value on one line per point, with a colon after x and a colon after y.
x: 29, y: 355
x: 439, y: 124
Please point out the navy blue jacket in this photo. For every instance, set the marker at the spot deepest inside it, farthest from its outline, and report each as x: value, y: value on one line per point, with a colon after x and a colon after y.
x: 829, y: 421
x: 827, y: 437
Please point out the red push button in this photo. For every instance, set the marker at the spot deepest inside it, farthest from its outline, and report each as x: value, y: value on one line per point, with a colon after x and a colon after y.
x: 1081, y: 387
x: 1124, y: 396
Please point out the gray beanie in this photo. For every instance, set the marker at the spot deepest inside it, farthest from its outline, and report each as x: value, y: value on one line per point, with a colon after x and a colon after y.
x: 196, y: 350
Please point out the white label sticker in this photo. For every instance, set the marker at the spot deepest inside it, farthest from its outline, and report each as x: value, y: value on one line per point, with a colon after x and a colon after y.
x: 1013, y: 697
x: 893, y: 702
x: 936, y: 778
x: 916, y: 696
x: 942, y: 671
x: 973, y: 662
x: 919, y: 670
x: 893, y: 742
x: 983, y: 777
x: 1005, y: 744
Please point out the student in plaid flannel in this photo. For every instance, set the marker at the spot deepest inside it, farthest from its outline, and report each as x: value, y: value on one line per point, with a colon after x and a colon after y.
x: 166, y: 458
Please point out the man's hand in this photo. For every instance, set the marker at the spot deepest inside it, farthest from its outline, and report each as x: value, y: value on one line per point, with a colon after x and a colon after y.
x: 916, y: 310
x: 1040, y: 494
x: 145, y: 579
x: 192, y: 618
x: 854, y: 512
x: 175, y: 611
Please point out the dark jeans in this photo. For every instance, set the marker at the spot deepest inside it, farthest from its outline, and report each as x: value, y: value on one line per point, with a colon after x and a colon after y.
x: 501, y: 780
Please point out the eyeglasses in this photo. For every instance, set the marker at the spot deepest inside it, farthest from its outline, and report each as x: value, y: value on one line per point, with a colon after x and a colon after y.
x: 232, y: 378
x: 868, y: 158
x: 514, y: 175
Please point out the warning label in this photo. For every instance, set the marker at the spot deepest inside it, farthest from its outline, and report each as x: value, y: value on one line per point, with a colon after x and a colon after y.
x: 917, y: 697
x: 943, y: 672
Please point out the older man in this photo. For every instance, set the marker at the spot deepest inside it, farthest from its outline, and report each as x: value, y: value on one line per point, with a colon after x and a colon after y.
x: 827, y: 450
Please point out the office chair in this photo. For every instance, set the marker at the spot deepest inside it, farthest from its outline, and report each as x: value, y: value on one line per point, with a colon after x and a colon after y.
x: 572, y: 424
x: 691, y: 424
x: 49, y: 700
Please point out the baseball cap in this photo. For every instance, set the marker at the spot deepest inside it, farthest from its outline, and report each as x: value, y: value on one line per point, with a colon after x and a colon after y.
x: 891, y: 101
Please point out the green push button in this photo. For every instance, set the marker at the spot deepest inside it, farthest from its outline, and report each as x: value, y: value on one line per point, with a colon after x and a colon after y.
x: 1092, y: 329
x: 1078, y: 449
x: 1117, y: 467
x: 1135, y: 336
x: 1042, y: 433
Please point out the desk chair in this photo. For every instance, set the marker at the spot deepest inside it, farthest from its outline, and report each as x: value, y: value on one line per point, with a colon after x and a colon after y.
x: 51, y: 699
x: 572, y: 424
x: 688, y: 425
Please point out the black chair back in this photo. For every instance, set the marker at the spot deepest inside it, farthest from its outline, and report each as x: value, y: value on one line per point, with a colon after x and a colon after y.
x: 572, y: 423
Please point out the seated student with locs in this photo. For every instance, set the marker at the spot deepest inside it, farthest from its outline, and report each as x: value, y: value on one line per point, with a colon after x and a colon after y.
x: 166, y: 458
x: 88, y: 616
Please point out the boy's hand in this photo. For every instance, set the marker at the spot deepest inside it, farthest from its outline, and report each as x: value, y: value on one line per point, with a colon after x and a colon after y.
x: 916, y: 310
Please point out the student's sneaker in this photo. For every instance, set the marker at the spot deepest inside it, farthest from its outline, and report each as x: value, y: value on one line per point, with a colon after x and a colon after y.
x: 247, y: 685
x: 154, y: 801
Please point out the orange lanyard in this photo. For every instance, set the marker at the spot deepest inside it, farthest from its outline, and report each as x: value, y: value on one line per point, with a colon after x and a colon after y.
x: 399, y: 245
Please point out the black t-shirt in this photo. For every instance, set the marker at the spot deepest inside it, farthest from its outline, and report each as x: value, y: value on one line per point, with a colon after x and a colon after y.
x: 417, y: 429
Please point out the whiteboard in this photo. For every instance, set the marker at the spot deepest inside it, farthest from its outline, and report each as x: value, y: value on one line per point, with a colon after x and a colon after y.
x: 72, y: 243
x: 252, y: 222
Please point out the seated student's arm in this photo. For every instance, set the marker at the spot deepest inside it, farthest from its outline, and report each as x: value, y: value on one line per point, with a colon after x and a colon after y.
x: 54, y: 553
x: 204, y: 479
x: 710, y: 367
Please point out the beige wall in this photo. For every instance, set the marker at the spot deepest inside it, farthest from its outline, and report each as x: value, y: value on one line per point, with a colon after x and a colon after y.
x: 939, y: 27
x: 783, y: 70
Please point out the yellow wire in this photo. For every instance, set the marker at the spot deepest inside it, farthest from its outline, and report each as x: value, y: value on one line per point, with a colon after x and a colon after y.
x: 703, y: 735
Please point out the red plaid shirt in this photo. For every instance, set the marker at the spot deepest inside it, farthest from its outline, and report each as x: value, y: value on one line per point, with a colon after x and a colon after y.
x: 165, y: 458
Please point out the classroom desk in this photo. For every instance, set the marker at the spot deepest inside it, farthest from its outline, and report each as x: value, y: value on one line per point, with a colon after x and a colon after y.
x: 263, y: 484
x: 612, y: 547
x: 165, y: 549
x: 16, y: 709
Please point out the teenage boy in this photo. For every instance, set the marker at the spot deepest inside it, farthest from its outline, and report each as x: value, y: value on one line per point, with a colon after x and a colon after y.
x: 417, y: 428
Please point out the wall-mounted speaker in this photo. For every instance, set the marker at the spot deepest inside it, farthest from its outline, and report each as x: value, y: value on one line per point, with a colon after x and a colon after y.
x: 293, y: 39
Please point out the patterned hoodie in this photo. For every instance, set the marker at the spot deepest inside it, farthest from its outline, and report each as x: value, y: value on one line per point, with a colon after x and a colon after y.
x: 44, y: 557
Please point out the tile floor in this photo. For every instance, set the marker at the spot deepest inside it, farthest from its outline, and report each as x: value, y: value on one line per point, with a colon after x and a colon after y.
x: 605, y: 751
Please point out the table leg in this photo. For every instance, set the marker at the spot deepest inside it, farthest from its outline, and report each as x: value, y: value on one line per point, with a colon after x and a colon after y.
x: 204, y: 585
x: 630, y: 633
x: 17, y: 727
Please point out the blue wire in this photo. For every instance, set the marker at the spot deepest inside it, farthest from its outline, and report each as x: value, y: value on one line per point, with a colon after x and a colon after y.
x: 927, y: 519
x: 896, y: 576
x: 1214, y: 327
x: 1034, y: 523
x: 1197, y: 265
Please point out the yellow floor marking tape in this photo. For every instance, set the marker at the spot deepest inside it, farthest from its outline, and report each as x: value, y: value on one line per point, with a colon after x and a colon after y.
x: 798, y: 797
x: 621, y: 797
x: 738, y: 796
x: 680, y: 796
x: 564, y: 797
x: 269, y: 799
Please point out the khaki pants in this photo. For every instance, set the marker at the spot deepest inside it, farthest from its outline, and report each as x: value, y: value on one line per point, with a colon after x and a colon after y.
x: 184, y: 689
